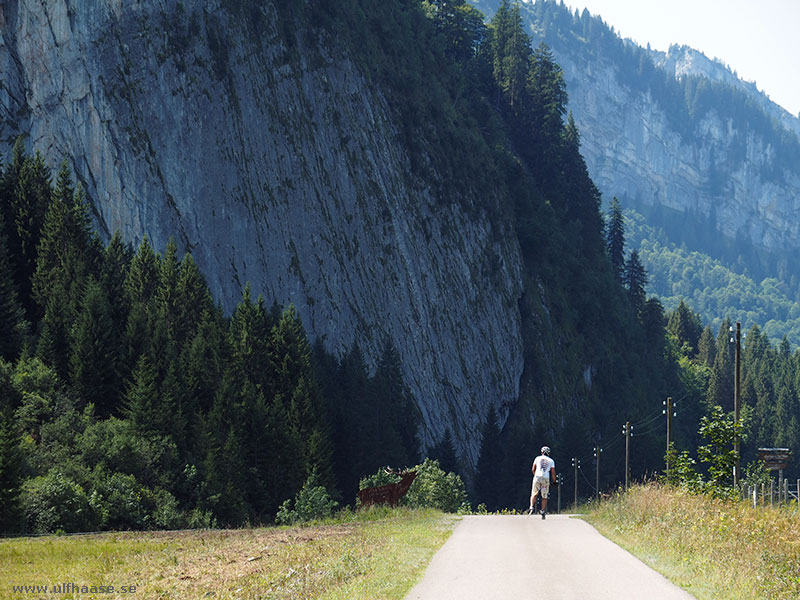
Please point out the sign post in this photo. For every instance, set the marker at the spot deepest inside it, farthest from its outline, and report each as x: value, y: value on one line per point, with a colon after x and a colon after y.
x: 775, y: 459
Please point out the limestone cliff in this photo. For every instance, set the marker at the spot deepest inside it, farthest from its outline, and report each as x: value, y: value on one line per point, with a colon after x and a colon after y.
x: 633, y: 151
x: 276, y: 165
x: 729, y: 167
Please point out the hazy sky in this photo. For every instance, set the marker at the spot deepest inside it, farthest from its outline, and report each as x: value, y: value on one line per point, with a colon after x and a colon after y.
x: 759, y: 39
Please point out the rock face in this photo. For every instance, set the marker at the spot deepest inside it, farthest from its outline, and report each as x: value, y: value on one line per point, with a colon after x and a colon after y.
x: 724, y: 169
x: 633, y: 152
x: 276, y: 166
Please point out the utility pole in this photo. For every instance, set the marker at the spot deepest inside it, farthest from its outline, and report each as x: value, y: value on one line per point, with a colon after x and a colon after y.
x: 576, y: 464
x: 559, y: 481
x: 626, y: 431
x: 597, y: 451
x: 668, y: 411
x: 736, y: 393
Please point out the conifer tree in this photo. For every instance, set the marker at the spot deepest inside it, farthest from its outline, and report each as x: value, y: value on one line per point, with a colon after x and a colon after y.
x: 347, y: 407
x: 444, y: 451
x: 167, y: 292
x: 685, y: 325
x: 53, y: 346
x: 194, y: 301
x: 461, y: 26
x: 548, y: 101
x: 94, y: 358
x: 10, y: 472
x: 142, y: 398
x: 512, y: 51
x: 400, y: 412
x: 580, y: 196
x: 112, y: 275
x: 720, y: 383
x: 64, y: 248
x: 635, y: 281
x: 489, y: 461
x: 30, y: 198
x: 11, y: 313
x: 706, y: 348
x: 615, y: 240
x: 293, y: 384
x: 142, y: 281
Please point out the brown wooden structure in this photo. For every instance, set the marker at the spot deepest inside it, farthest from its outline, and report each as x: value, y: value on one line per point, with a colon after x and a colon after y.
x: 387, y: 494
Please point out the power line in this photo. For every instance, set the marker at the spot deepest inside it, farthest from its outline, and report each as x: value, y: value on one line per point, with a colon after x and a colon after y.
x: 647, y: 421
x: 587, y: 480
x: 654, y: 430
x: 616, y: 439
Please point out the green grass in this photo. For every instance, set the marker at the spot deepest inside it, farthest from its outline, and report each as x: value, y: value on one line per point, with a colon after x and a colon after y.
x: 715, y: 549
x: 372, y: 555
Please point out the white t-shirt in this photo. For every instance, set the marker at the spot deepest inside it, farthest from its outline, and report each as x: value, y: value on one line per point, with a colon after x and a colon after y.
x: 543, y: 465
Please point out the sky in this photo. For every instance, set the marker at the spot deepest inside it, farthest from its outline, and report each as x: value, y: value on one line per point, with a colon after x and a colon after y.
x: 759, y: 39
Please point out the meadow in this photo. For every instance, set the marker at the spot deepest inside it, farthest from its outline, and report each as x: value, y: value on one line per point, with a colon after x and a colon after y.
x: 715, y: 549
x: 372, y: 554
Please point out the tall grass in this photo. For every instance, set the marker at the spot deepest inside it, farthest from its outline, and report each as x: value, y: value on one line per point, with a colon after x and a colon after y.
x: 370, y: 555
x: 715, y: 549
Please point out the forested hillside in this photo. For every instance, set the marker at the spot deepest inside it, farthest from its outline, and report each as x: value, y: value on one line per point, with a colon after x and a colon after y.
x: 132, y: 399
x: 707, y: 160
x: 714, y: 290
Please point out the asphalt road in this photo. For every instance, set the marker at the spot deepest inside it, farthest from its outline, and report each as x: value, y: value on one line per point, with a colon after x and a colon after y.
x: 521, y: 557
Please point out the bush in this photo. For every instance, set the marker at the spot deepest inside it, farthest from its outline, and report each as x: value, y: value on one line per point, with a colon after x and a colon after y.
x: 433, y: 488
x: 312, y: 502
x: 54, y: 502
x: 118, y: 499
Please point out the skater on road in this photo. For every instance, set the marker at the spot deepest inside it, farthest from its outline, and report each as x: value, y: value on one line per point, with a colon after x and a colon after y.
x: 542, y: 469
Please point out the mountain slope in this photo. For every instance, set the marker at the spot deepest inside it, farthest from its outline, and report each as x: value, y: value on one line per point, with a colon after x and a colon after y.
x: 250, y: 134
x: 706, y: 158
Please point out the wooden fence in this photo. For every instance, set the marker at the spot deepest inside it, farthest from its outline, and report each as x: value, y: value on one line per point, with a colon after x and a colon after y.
x: 776, y: 493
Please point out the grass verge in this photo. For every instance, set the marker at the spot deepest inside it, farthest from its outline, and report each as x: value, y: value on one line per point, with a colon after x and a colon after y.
x: 371, y: 555
x: 714, y: 549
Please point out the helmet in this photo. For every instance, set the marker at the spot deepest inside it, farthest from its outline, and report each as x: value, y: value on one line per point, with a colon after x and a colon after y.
x: 546, y: 450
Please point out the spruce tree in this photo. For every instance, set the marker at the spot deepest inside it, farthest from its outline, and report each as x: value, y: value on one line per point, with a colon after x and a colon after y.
x: 193, y: 300
x: 548, y: 102
x: 141, y: 284
x: 489, y: 461
x: 635, y: 281
x: 54, y: 345
x: 94, y: 358
x: 685, y: 325
x: 401, y: 414
x: 293, y: 384
x: 706, y: 348
x: 112, y: 275
x: 166, y: 296
x: 30, y: 200
x: 444, y: 451
x: 141, y: 406
x: 720, y: 383
x: 615, y: 240
x: 11, y: 314
x: 512, y: 51
x: 64, y: 248
x: 10, y: 473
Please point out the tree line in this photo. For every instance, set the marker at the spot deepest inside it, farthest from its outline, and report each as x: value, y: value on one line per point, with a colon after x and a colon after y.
x: 130, y: 400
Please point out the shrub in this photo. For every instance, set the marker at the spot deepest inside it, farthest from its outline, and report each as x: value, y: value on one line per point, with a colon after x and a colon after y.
x: 434, y: 488
x: 312, y: 502
x: 54, y: 502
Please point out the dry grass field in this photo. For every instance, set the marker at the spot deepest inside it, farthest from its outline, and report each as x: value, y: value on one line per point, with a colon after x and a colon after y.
x: 714, y: 549
x: 372, y: 555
